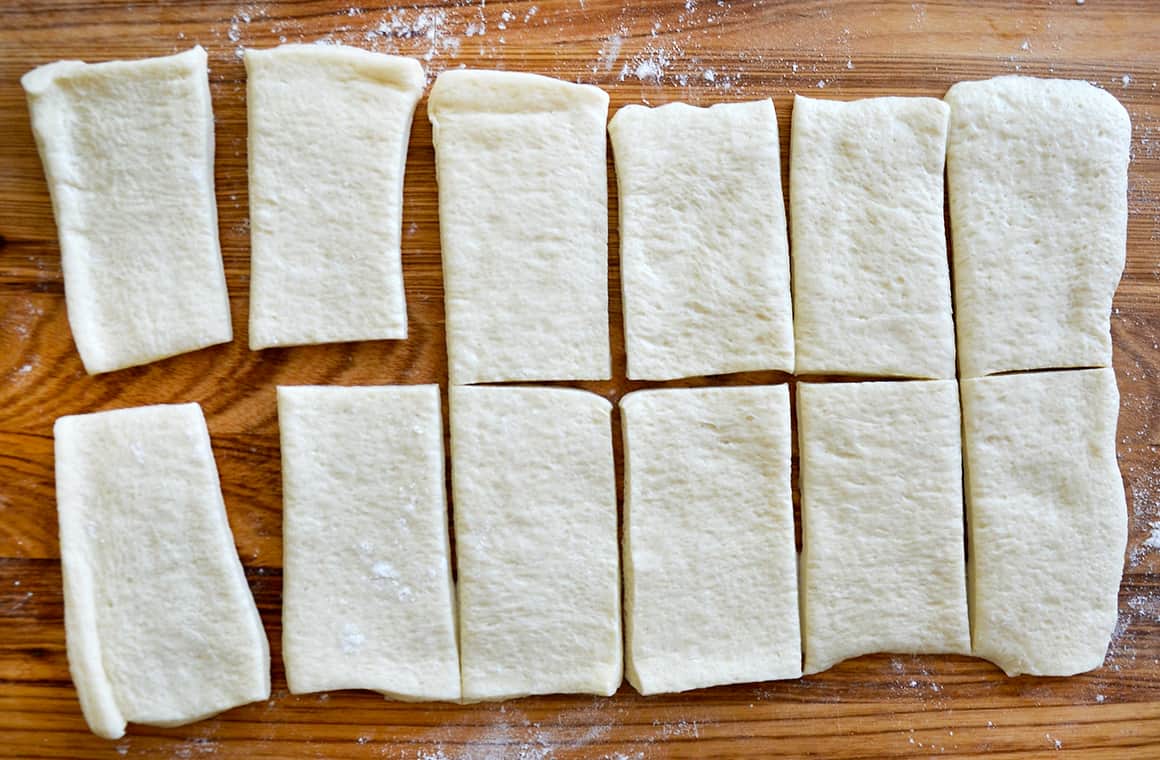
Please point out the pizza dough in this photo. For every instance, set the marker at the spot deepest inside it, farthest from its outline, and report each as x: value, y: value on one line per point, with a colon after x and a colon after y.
x: 523, y: 222
x: 535, y: 542
x: 327, y: 149
x: 367, y: 599
x: 709, y: 561
x: 1047, y: 516
x: 882, y: 520
x: 1037, y: 173
x: 160, y: 623
x: 704, y: 259
x: 127, y: 148
x: 872, y: 290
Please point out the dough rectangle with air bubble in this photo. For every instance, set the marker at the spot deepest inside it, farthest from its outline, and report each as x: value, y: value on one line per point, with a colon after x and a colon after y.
x: 160, y: 623
x: 704, y: 258
x: 523, y: 223
x: 1037, y: 179
x: 367, y: 601
x: 709, y: 560
x: 872, y: 289
x: 882, y: 520
x: 536, y: 542
x: 128, y: 151
x: 328, y: 132
x: 1047, y: 518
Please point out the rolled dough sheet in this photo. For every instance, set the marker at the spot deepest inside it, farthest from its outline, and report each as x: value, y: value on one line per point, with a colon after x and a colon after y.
x: 328, y: 130
x: 709, y: 560
x: 367, y: 600
x: 127, y: 148
x: 535, y: 542
x: 523, y: 223
x: 704, y: 258
x: 160, y: 623
x: 882, y: 520
x: 1037, y: 174
x: 872, y: 289
x: 1047, y: 517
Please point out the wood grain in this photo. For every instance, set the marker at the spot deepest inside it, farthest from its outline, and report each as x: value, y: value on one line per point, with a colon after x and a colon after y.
x: 870, y: 707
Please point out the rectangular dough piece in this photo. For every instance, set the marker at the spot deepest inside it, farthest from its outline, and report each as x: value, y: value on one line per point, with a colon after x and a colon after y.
x: 536, y: 542
x: 367, y: 600
x: 710, y: 567
x: 1037, y: 174
x: 704, y: 259
x: 523, y: 223
x: 871, y: 284
x: 160, y: 623
x: 882, y: 520
x: 128, y: 149
x: 328, y: 132
x: 1047, y: 518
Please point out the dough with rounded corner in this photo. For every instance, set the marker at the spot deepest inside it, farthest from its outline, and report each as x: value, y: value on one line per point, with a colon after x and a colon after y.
x: 1037, y: 179
x: 1047, y: 518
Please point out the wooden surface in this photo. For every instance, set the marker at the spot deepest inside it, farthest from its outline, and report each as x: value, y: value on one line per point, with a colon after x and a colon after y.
x: 702, y: 52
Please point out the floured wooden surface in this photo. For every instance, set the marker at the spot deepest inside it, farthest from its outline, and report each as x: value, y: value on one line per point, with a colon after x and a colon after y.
x: 869, y: 706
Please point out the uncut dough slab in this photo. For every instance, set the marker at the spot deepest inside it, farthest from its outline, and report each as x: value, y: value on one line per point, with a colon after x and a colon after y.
x: 709, y: 560
x: 128, y: 149
x: 704, y: 257
x: 1047, y: 518
x: 328, y: 130
x: 1037, y: 174
x: 882, y: 520
x: 367, y: 600
x: 523, y: 224
x: 535, y: 542
x: 872, y: 289
x: 160, y: 623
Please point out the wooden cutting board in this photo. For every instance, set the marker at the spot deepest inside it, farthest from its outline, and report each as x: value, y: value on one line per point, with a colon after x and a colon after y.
x: 652, y: 51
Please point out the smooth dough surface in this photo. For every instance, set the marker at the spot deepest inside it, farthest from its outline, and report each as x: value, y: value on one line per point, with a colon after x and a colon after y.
x: 128, y: 150
x: 367, y: 600
x: 535, y: 542
x: 709, y: 560
x: 882, y: 520
x: 872, y: 289
x: 704, y: 258
x: 523, y: 224
x: 160, y: 623
x: 1047, y: 518
x: 1037, y: 175
x: 328, y: 131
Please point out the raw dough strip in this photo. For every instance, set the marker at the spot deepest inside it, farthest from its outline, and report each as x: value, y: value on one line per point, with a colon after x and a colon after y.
x: 161, y: 626
x: 367, y: 601
x: 328, y: 130
x: 872, y: 290
x: 1037, y: 173
x: 523, y: 221
x: 882, y: 520
x: 709, y: 561
x: 536, y: 542
x: 1047, y: 516
x: 127, y: 148
x: 703, y: 252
